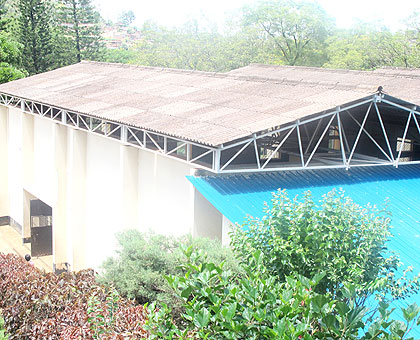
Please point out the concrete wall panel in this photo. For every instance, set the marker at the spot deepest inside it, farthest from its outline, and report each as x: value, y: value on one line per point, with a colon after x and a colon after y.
x: 164, y: 195
x: 103, y: 198
x: 15, y: 165
x: 4, y: 156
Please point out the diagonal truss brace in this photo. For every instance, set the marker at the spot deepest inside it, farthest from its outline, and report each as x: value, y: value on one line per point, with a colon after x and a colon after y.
x: 136, y: 137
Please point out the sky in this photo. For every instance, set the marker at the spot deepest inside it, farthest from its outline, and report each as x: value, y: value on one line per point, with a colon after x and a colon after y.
x: 174, y: 13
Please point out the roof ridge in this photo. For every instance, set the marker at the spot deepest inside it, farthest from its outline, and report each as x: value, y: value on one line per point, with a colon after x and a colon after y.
x: 242, y: 77
x: 375, y: 72
x: 157, y: 68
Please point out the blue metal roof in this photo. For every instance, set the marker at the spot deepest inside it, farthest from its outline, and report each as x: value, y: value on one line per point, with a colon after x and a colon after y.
x: 236, y: 196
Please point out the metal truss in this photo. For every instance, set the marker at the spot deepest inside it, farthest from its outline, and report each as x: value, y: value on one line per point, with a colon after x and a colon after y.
x: 345, y: 157
x: 306, y: 136
x: 199, y: 155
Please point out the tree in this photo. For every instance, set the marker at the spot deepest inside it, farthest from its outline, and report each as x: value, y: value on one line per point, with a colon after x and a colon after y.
x: 121, y: 55
x: 339, y: 238
x: 81, y: 24
x: 218, y: 305
x: 127, y: 18
x: 368, y: 47
x: 357, y: 48
x: 34, y: 31
x: 195, y: 47
x: 3, y: 13
x: 400, y: 49
x: 297, y: 30
x: 10, y: 58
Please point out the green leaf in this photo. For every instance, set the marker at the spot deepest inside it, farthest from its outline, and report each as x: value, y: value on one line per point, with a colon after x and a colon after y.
x: 318, y: 302
x: 330, y: 321
x: 187, y: 292
x: 374, y: 328
x: 398, y: 328
x: 342, y: 308
x: 410, y: 312
x: 229, y: 312
x: 201, y: 319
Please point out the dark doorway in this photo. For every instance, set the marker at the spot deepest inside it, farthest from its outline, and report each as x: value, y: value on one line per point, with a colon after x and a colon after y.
x: 41, y: 228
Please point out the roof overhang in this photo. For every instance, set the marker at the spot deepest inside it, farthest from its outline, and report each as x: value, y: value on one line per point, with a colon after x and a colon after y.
x: 222, y: 159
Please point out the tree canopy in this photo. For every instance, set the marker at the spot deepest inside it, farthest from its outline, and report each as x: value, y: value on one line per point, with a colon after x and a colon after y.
x: 47, y: 34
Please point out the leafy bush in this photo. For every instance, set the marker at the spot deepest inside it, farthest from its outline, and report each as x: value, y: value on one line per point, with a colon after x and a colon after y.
x: 345, y: 241
x: 3, y: 335
x: 143, y: 260
x: 258, y: 306
x: 36, y: 305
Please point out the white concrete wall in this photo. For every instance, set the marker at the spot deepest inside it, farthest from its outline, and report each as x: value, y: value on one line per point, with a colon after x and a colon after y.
x: 227, y: 227
x: 76, y: 199
x: 44, y: 184
x: 4, y: 168
x: 15, y: 168
x: 59, y: 194
x: 103, y: 198
x: 165, y: 198
x: 207, y: 219
x: 96, y: 187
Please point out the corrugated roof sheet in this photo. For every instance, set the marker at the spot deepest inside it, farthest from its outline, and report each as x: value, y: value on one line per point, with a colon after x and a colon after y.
x: 236, y: 196
x: 209, y: 108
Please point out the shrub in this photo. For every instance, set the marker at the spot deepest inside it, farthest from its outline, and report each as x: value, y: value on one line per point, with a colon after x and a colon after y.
x: 36, y: 305
x: 144, y: 258
x: 345, y: 241
x: 3, y: 335
x: 258, y: 306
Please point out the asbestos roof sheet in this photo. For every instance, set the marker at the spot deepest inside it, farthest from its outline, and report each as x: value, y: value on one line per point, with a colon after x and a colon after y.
x: 226, y: 106
x: 237, y: 196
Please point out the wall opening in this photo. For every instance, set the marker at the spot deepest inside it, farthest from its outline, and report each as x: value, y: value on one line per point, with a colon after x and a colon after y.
x: 41, y: 228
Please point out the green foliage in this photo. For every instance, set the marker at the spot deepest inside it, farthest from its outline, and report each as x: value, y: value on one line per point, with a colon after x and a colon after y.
x: 191, y: 47
x: 143, y: 260
x: 3, y: 334
x: 258, y: 306
x: 368, y: 47
x: 297, y: 29
x: 345, y: 241
x: 3, y: 15
x: 10, y: 56
x: 35, y: 34
x: 126, y: 18
x: 61, y: 32
x: 355, y: 49
x: 122, y: 55
x: 102, y: 320
x: 10, y: 50
x: 81, y: 30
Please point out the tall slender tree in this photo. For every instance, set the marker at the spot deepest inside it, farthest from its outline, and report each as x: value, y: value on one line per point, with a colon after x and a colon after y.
x: 3, y: 12
x: 81, y: 23
x: 35, y: 34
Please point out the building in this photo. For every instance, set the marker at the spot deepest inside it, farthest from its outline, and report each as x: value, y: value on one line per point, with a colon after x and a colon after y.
x: 94, y: 148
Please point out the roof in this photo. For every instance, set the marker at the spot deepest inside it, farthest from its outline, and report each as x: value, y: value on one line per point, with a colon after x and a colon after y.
x: 235, y: 196
x: 208, y: 108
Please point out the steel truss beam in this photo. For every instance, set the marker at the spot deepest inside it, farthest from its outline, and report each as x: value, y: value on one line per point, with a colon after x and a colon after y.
x: 193, y: 153
x: 126, y: 134
x: 344, y: 158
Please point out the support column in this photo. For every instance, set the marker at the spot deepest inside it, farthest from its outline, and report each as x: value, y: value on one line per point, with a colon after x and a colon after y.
x: 28, y: 171
x: 60, y: 207
x: 4, y: 165
x: 129, y: 162
x: 15, y: 168
x: 207, y: 219
x: 227, y: 227
x: 76, y: 198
